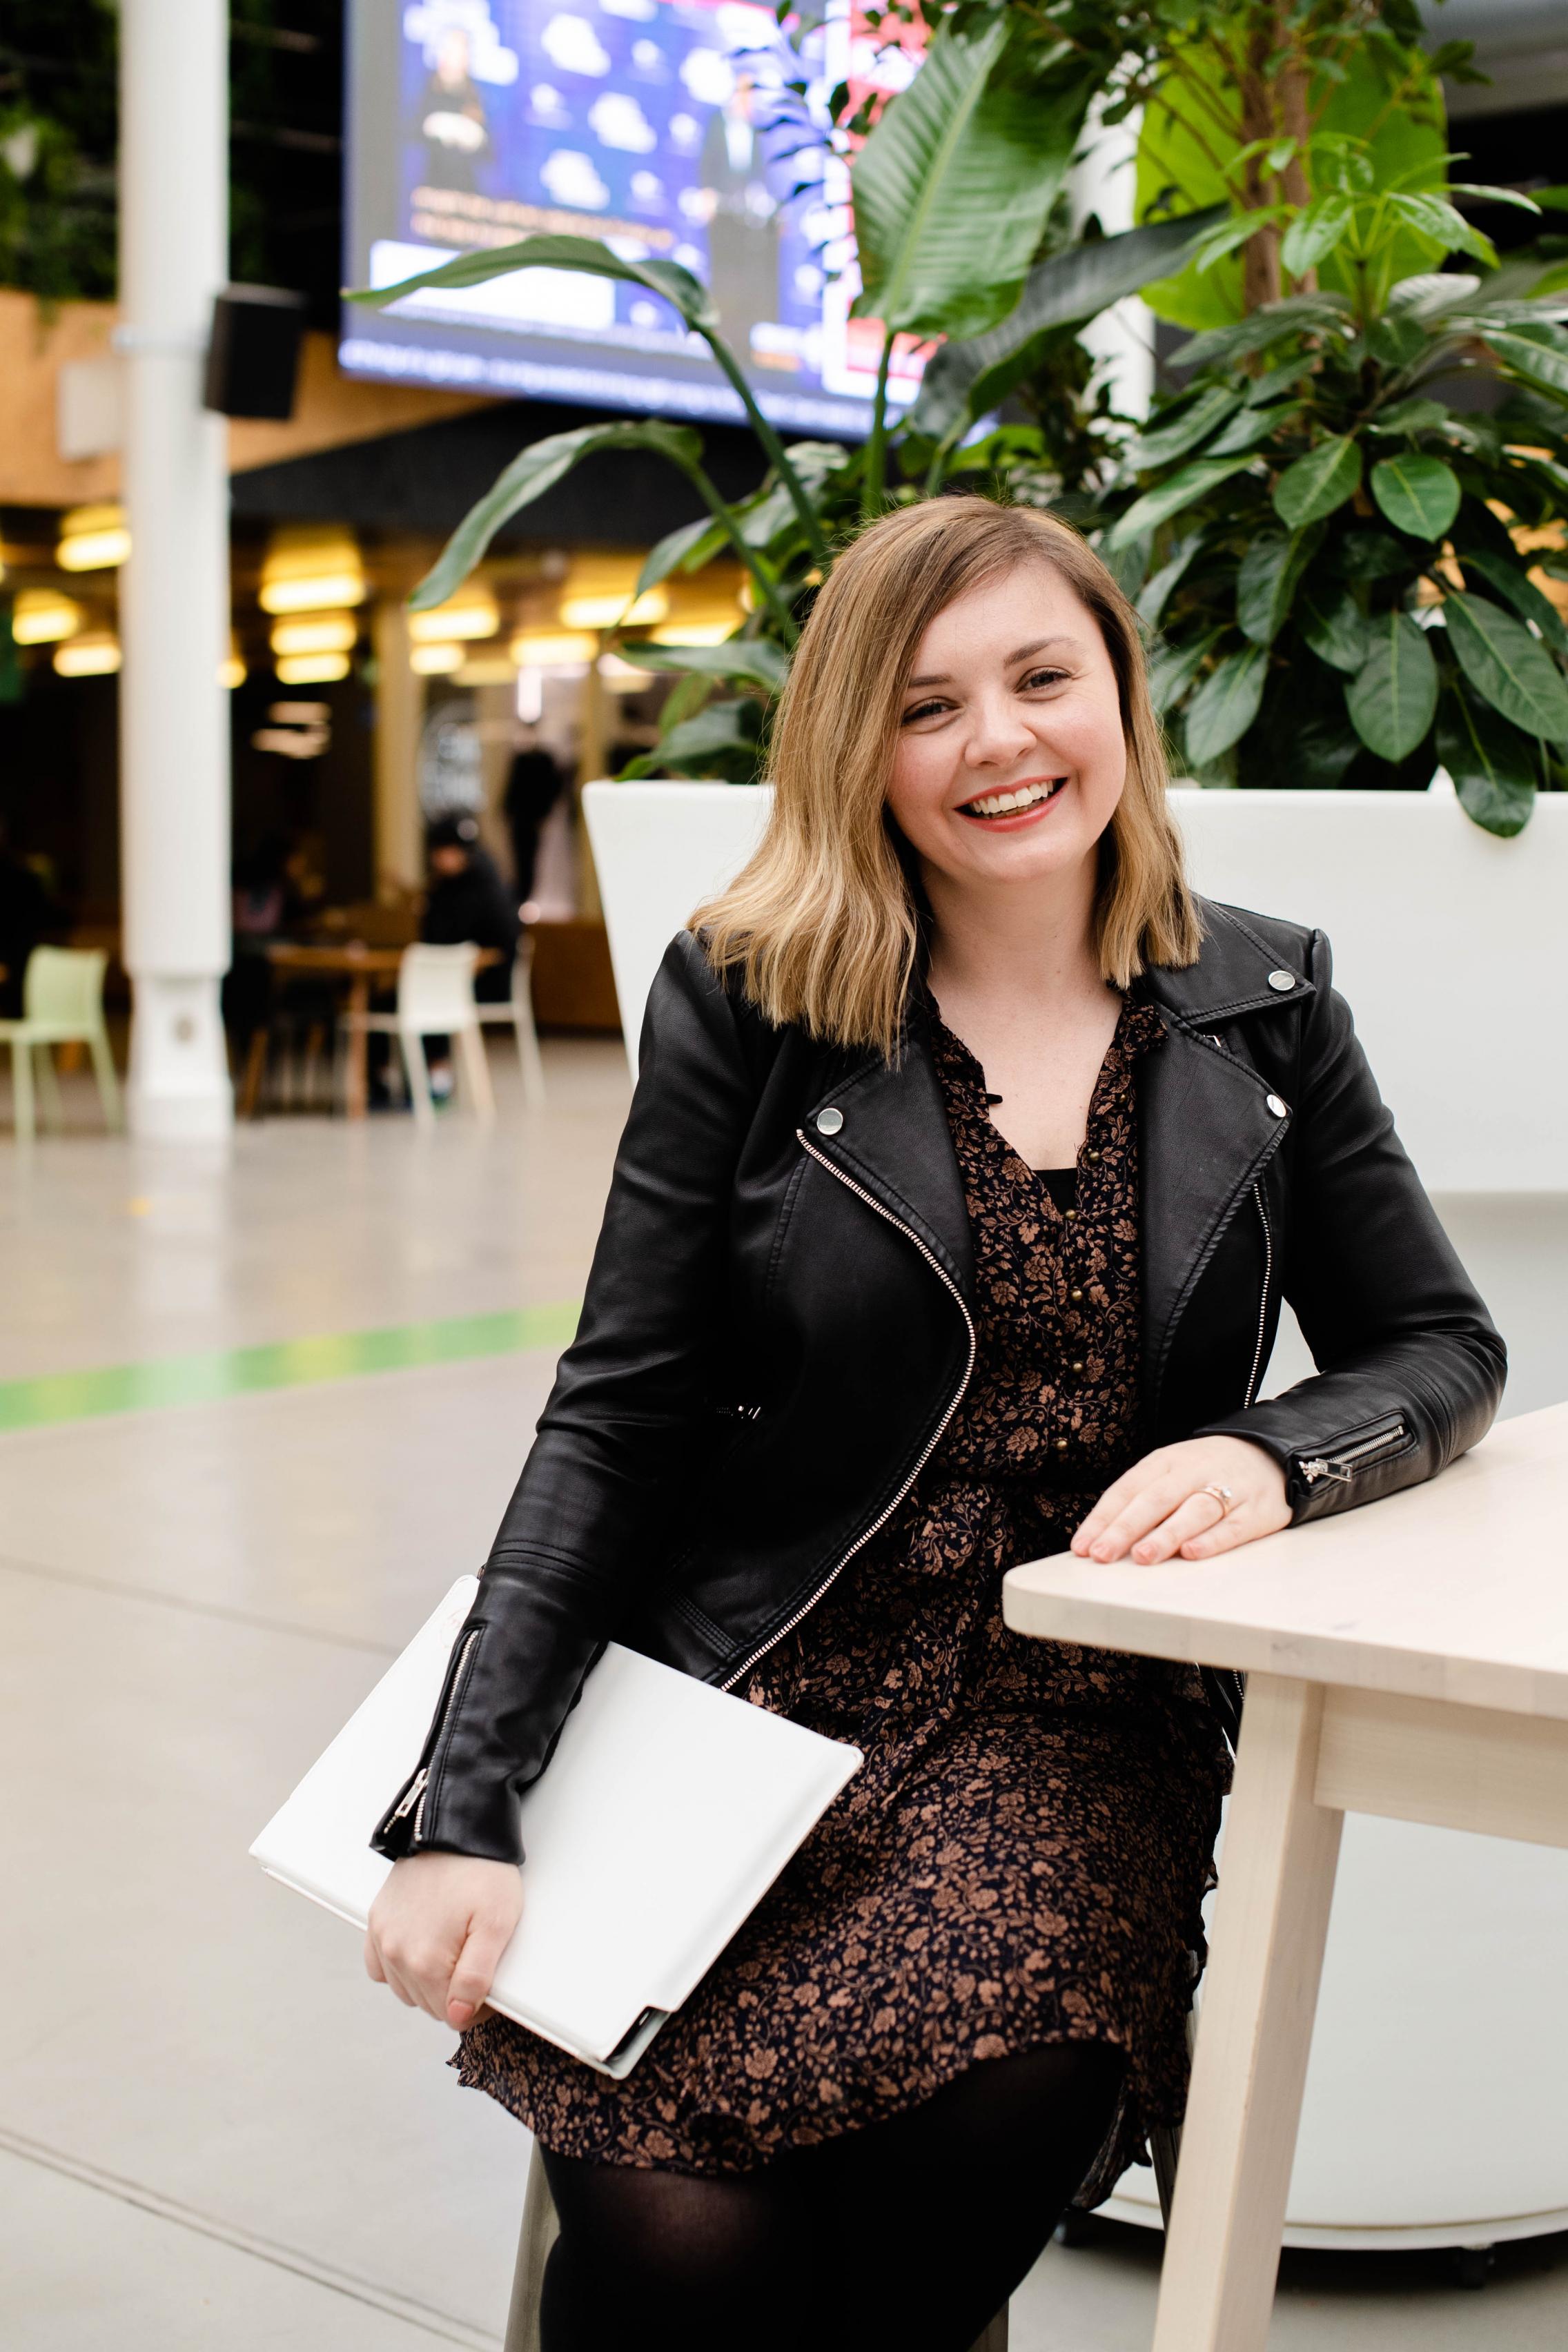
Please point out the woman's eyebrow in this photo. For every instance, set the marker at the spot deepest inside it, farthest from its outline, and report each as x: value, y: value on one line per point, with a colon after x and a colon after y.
x: 1022, y: 653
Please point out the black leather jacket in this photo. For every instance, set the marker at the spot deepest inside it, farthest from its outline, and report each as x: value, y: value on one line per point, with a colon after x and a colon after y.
x: 779, y: 1325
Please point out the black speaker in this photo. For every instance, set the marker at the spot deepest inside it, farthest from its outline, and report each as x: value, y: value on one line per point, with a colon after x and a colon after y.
x: 253, y: 358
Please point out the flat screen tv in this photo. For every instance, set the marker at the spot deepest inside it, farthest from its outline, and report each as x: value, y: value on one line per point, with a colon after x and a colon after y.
x: 664, y: 127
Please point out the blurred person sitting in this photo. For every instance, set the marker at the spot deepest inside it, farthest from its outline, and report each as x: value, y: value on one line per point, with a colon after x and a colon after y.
x: 467, y: 903
x: 28, y: 917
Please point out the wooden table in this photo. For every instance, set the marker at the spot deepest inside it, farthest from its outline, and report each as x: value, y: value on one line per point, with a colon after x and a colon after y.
x: 1409, y: 1659
x: 361, y: 967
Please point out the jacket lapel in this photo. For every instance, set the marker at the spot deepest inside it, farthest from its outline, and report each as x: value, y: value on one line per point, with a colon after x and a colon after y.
x: 894, y: 1141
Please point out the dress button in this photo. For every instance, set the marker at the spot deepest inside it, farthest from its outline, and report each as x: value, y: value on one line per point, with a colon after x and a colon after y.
x: 1071, y: 1216
x: 1077, y: 1297
x: 1278, y: 1105
x: 1077, y: 1368
x: 1282, y: 980
x: 1062, y: 1445
x: 829, y: 1121
x: 1092, y: 1157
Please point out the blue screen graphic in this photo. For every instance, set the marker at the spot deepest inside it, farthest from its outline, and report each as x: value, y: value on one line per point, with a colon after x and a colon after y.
x: 660, y: 126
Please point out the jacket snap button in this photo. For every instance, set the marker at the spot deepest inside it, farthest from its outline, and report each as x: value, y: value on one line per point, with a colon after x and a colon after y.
x: 829, y: 1121
x: 1278, y: 1106
x: 1282, y: 980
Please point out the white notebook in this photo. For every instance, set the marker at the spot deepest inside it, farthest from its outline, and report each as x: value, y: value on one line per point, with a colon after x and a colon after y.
x: 666, y: 1814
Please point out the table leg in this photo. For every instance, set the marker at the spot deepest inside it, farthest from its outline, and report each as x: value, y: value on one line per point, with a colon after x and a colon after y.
x: 1271, y: 1920
x: 356, y: 1077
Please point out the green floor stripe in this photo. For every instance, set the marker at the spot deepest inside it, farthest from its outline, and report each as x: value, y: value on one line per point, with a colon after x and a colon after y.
x: 286, y: 1364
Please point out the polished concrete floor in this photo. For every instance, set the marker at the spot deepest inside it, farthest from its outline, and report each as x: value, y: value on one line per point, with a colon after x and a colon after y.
x: 212, y: 2131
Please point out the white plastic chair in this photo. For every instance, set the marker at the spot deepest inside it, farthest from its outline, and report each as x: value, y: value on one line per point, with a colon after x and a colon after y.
x: 540, y: 2231
x: 62, y: 1004
x: 519, y: 1010
x: 436, y: 998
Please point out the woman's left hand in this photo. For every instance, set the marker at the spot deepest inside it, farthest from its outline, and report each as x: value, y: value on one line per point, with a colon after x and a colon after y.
x: 1160, y: 1505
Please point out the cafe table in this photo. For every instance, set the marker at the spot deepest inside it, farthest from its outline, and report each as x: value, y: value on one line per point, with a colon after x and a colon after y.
x: 1408, y: 1659
x: 362, y: 968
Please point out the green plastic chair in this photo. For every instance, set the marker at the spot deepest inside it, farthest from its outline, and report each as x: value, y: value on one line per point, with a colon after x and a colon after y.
x: 62, y: 1004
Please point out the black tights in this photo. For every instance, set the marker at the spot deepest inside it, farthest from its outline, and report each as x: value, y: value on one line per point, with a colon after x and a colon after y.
x: 911, y: 2232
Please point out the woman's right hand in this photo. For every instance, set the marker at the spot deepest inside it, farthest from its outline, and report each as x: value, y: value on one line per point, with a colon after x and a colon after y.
x: 437, y: 1930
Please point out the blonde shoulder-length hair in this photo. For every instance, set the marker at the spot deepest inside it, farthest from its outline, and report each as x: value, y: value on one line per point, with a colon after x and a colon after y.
x: 823, y: 926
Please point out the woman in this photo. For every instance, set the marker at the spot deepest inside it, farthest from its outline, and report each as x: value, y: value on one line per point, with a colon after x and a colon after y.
x: 970, y: 1160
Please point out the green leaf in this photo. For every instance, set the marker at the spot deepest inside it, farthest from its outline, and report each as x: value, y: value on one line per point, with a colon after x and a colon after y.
x: 531, y: 473
x: 965, y: 379
x: 1252, y: 426
x: 1508, y: 579
x: 1538, y: 359
x: 1506, y: 665
x: 1319, y: 482
x: 1392, y: 695
x: 1419, y: 495
x: 1372, y: 555
x: 1494, y: 767
x: 1298, y: 314
x: 1157, y: 505
x: 1267, y: 579
x: 1195, y: 423
x: 723, y: 739
x: 1314, y: 234
x: 1415, y: 415
x: 1226, y: 705
x: 687, y: 294
x: 953, y: 186
x: 704, y: 537
x: 1157, y: 592
x: 750, y: 661
x: 1335, y: 627
x: 1172, y: 668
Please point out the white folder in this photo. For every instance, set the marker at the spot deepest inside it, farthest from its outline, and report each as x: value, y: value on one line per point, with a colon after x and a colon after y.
x: 666, y: 1814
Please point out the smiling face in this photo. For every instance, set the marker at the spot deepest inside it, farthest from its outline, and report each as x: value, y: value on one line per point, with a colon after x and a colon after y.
x: 1011, y: 756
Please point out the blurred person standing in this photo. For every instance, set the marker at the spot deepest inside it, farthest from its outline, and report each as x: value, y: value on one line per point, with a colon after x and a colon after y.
x: 533, y: 785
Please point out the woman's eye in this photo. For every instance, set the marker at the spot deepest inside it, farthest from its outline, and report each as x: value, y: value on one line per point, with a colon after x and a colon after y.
x: 923, y: 710
x: 1038, y: 677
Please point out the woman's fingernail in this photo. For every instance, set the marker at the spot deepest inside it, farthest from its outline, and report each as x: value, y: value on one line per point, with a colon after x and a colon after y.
x: 461, y: 2013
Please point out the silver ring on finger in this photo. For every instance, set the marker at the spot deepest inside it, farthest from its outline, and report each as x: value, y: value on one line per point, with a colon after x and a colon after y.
x: 1223, y: 1496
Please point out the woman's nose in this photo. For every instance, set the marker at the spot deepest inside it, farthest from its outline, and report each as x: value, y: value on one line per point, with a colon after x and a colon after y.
x: 999, y: 733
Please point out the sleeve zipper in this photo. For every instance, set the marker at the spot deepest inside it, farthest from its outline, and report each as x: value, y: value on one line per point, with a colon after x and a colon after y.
x: 1347, y: 1461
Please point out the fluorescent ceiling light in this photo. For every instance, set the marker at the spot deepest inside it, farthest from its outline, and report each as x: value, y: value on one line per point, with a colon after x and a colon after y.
x: 331, y: 632
x: 42, y: 617
x: 473, y: 616
x: 92, y: 539
x: 312, y: 669
x: 96, y: 655
x: 323, y: 591
x: 486, y: 670
x: 435, y: 661
x: 554, y: 648
x: 612, y: 611
x: 695, y: 632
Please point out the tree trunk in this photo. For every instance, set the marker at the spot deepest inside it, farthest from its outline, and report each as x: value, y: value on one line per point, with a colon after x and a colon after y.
x: 1295, y: 121
x: 1260, y: 255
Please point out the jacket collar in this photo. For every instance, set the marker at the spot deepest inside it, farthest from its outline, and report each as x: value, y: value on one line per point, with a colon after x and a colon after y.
x: 1232, y: 975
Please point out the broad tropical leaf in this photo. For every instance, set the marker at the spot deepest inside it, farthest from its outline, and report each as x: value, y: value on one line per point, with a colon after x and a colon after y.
x: 685, y: 293
x: 1319, y: 482
x: 1516, y: 588
x: 1392, y: 695
x: 750, y: 661
x: 964, y: 380
x: 1314, y: 234
x: 1530, y: 354
x: 1298, y: 314
x: 1172, y: 668
x: 1268, y: 578
x: 721, y: 739
x: 1419, y: 495
x: 531, y: 473
x: 1157, y: 593
x: 1494, y: 767
x: 953, y: 188
x: 1335, y: 627
x: 1158, y: 505
x: 1253, y: 425
x: 1226, y: 705
x: 1508, y: 667
x: 1214, y: 406
x: 700, y: 540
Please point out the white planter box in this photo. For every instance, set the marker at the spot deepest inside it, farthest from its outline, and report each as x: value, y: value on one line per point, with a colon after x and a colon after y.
x: 1439, y: 2074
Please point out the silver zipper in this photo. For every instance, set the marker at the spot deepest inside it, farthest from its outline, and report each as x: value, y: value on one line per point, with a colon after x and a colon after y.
x: 1256, y: 1373
x: 937, y: 1436
x: 1343, y: 1464
x: 419, y: 1789
x: 415, y: 1791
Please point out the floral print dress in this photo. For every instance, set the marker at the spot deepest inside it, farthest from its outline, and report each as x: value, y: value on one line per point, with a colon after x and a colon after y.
x: 1022, y: 1857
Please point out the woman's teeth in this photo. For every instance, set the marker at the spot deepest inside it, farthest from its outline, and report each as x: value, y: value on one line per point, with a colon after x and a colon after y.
x: 1009, y: 803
